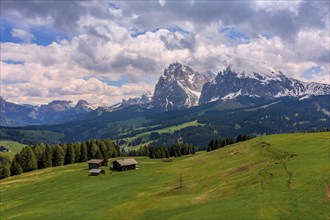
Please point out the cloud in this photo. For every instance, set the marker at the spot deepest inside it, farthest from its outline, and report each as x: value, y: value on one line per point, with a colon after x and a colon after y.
x: 178, y: 41
x: 162, y: 2
x: 23, y: 35
x: 119, y: 50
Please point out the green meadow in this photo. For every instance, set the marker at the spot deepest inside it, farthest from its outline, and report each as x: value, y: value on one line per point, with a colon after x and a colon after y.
x: 14, y: 148
x: 272, y: 177
x: 168, y: 130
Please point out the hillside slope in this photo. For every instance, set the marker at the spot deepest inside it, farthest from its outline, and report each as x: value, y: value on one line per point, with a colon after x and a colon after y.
x: 270, y: 177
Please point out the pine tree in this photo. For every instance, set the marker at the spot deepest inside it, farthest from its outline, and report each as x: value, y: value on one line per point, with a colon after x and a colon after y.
x: 239, y: 138
x: 95, y: 151
x: 38, y: 152
x: 83, y: 153
x: 104, y: 151
x: 15, y: 168
x: 58, y: 156
x: 47, y: 158
x: 4, y: 167
x: 27, y: 159
x: 4, y: 171
x: 167, y: 153
x: 77, y: 151
x: 69, y: 155
x: 217, y: 143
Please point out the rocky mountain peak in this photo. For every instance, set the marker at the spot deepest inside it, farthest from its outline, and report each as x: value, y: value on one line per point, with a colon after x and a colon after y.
x: 82, y: 105
x: 179, y: 87
x: 178, y: 70
x: 143, y: 100
x: 256, y: 79
x: 60, y: 105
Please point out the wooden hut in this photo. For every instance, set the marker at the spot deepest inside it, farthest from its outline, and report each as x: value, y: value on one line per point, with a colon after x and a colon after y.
x: 96, y: 172
x: 96, y: 163
x: 125, y: 164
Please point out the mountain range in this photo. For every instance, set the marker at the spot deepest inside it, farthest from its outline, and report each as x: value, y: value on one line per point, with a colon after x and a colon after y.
x: 248, y: 82
x: 246, y: 97
x: 57, y: 111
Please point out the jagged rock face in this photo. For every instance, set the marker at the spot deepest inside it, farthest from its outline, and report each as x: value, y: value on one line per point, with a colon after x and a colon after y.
x: 259, y: 81
x: 146, y: 98
x: 58, y: 106
x: 179, y: 87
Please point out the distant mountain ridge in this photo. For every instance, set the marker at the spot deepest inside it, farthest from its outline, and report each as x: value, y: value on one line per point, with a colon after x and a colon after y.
x: 57, y: 111
x: 258, y: 80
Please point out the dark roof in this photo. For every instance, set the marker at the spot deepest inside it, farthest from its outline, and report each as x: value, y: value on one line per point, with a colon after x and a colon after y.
x: 95, y: 161
x: 95, y: 171
x: 126, y: 162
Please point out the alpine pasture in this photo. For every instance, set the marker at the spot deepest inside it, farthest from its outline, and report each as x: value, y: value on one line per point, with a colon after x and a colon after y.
x: 271, y: 177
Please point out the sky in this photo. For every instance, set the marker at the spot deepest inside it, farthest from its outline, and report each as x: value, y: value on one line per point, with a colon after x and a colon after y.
x: 106, y: 51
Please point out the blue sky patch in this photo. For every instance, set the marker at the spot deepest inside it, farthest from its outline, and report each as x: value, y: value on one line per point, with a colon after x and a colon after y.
x: 234, y: 34
x: 267, y: 36
x: 113, y: 6
x: 308, y: 74
x: 10, y: 61
x: 42, y: 35
x: 45, y: 36
x: 122, y: 81
x: 135, y: 32
x: 176, y: 28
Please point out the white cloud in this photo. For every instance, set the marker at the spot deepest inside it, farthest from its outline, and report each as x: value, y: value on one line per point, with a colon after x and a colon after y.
x: 162, y: 2
x: 102, y: 51
x: 23, y: 35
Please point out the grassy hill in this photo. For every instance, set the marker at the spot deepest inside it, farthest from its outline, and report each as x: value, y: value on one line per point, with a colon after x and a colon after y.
x: 14, y: 147
x: 271, y: 177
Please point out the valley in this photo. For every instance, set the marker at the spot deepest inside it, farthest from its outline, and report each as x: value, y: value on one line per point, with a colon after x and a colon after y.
x: 270, y: 177
x: 217, y: 119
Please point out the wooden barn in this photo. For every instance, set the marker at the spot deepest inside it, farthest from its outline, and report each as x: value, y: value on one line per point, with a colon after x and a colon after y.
x: 125, y: 164
x: 96, y: 163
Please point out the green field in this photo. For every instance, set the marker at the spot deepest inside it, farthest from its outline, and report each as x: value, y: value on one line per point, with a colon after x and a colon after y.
x: 168, y: 130
x: 270, y: 177
x: 14, y: 148
x: 31, y: 136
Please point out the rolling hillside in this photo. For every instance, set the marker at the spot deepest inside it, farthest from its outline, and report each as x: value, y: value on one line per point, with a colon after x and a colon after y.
x: 271, y: 177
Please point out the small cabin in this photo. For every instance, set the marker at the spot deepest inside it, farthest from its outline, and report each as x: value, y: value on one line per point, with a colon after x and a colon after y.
x: 125, y: 164
x: 4, y: 149
x: 96, y: 163
x: 96, y: 172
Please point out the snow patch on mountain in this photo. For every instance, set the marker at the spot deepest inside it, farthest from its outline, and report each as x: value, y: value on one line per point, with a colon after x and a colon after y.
x: 248, y: 78
x: 232, y: 95
x: 259, y: 70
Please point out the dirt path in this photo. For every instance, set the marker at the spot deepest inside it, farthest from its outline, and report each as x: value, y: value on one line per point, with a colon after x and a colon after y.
x: 280, y: 157
x: 327, y: 191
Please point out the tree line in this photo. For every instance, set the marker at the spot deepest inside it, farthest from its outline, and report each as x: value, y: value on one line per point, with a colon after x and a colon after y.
x: 153, y: 152
x: 219, y: 143
x: 42, y: 156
